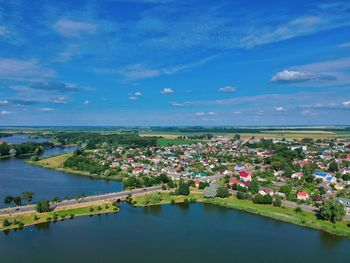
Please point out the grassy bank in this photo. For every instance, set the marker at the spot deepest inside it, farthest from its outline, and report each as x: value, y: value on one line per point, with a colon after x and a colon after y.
x: 56, y: 163
x: 28, y: 219
x: 289, y: 215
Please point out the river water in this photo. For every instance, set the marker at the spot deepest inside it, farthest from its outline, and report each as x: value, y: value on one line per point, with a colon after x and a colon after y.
x: 180, y: 233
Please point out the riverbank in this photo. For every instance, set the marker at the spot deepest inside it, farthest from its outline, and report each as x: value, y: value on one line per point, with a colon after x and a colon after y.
x: 56, y: 163
x: 288, y: 215
x: 19, y: 221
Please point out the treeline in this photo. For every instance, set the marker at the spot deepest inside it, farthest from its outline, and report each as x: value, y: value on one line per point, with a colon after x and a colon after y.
x: 27, y: 148
x: 91, y: 140
x: 200, y: 129
x: 206, y: 136
x: 2, y: 134
x: 82, y: 163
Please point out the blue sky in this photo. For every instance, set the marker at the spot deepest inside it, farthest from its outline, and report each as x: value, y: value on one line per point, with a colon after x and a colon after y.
x: 167, y: 62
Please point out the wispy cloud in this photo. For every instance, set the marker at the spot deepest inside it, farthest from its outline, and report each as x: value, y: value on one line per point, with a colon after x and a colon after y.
x: 228, y: 89
x: 46, y: 109
x: 4, y: 112
x: 25, y: 70
x: 73, y: 28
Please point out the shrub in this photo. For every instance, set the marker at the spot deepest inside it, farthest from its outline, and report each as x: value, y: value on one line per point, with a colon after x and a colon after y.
x: 186, y: 201
x: 71, y: 216
x: 172, y: 201
x: 49, y: 218
x: 298, y: 209
x: 91, y: 209
x: 193, y: 200
x: 6, y: 223
x: 99, y: 208
x: 36, y: 217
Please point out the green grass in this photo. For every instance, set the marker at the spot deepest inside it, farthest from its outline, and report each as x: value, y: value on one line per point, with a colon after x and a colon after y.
x: 37, y: 218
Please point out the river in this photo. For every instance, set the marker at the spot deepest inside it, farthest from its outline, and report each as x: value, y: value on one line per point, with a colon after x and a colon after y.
x: 179, y: 233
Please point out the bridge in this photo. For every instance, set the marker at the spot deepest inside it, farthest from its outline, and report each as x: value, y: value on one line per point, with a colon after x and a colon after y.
x: 115, y: 196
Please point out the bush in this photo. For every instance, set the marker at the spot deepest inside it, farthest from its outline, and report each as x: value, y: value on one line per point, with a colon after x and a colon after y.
x: 298, y: 209
x: 6, y: 223
x: 99, y: 208
x: 42, y: 206
x: 163, y: 187
x: 193, y: 200
x: 222, y: 192
x: 15, y: 222
x: 36, y: 217
x: 262, y: 199
x: 243, y: 195
x: 49, y: 218
x: 172, y: 201
x: 71, y: 216
x: 186, y: 201
x: 91, y: 209
x: 277, y: 202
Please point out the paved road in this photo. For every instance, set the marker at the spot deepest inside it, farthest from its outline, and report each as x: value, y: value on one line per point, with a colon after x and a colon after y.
x: 103, y: 197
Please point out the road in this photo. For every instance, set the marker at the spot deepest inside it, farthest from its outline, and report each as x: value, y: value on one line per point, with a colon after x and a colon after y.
x: 88, y: 199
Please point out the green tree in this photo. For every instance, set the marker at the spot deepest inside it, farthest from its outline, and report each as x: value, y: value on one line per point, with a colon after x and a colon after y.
x: 332, y: 210
x: 28, y: 196
x: 333, y: 167
x: 222, y: 192
x: 17, y: 200
x: 277, y: 202
x: 42, y: 206
x: 254, y: 186
x: 8, y: 200
x: 183, y: 189
x: 6, y: 223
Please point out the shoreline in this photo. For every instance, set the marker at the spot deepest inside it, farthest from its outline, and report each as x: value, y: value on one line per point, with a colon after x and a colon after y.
x: 286, y: 215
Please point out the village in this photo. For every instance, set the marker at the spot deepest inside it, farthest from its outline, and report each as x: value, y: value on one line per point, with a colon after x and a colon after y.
x: 302, y: 171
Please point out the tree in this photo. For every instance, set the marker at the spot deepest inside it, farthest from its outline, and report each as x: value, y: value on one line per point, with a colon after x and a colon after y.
x: 286, y: 189
x: 203, y: 185
x: 222, y: 192
x: 28, y: 196
x: 5, y: 223
x: 332, y: 210
x: 254, y: 186
x: 277, y: 202
x: 8, y: 200
x: 333, y: 167
x: 17, y: 200
x: 42, y: 206
x: 183, y: 189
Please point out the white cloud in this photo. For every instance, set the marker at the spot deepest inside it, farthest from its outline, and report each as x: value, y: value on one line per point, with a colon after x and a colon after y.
x: 60, y: 100
x: 137, y: 71
x: 3, y: 102
x: 280, y: 109
x: 291, y: 75
x: 132, y: 98
x: 86, y: 102
x: 26, y: 70
x: 167, y: 91
x: 138, y: 94
x: 3, y: 112
x: 72, y: 28
x: 71, y: 51
x: 346, y: 103
x: 228, y: 89
x: 46, y: 109
x: 211, y: 113
x: 200, y: 114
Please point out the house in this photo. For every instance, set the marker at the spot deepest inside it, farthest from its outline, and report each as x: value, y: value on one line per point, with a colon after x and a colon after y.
x: 138, y: 171
x: 265, y: 191
x: 239, y: 167
x: 302, y: 196
x: 245, y: 177
x: 345, y: 202
x: 297, y: 175
x: 326, y: 177
x: 233, y: 181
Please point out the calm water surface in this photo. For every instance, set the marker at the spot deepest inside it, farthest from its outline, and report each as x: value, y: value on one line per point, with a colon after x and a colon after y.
x: 196, y: 233
x: 16, y: 176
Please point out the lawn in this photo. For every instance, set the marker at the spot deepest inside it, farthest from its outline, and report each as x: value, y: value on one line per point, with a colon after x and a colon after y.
x: 61, y: 214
